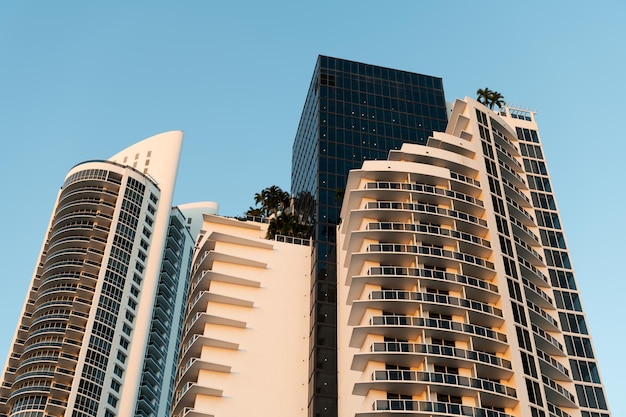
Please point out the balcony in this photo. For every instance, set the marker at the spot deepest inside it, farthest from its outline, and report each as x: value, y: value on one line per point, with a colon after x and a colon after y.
x: 430, y: 251
x: 408, y: 302
x: 186, y: 396
x: 538, y: 316
x: 524, y: 232
x: 412, y: 354
x: 416, y: 382
x: 558, y: 395
x: 427, y: 409
x: 410, y: 327
x: 552, y: 368
x: 546, y: 342
x: 430, y: 213
x: 404, y: 278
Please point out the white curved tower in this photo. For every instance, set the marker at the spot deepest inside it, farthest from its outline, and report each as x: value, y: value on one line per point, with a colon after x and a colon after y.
x: 455, y: 292
x: 85, y: 329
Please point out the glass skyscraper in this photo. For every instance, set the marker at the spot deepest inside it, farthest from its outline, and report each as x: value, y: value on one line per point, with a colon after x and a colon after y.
x: 353, y: 112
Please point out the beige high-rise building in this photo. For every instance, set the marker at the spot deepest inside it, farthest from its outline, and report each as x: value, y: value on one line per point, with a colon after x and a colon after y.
x: 456, y: 294
x: 245, y: 342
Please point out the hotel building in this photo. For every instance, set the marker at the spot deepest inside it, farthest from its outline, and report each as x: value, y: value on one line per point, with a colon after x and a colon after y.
x: 456, y: 294
x: 245, y: 342
x: 98, y: 331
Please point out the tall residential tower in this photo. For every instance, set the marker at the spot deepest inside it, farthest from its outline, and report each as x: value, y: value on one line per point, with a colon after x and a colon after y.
x: 456, y: 294
x: 353, y: 112
x: 99, y: 327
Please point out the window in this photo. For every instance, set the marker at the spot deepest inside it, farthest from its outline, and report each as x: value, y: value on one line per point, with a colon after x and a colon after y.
x: 134, y: 291
x: 124, y: 342
x: 118, y: 371
x: 115, y: 385
x: 129, y: 316
x: 121, y: 357
x: 446, y: 398
x: 112, y: 400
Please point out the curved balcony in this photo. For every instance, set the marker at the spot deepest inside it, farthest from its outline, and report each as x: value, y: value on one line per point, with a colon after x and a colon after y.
x: 84, y: 202
x: 410, y: 327
x: 52, y: 343
x: 524, y: 232
x: 531, y: 273
x: 511, y: 175
x: 186, y: 396
x: 552, y: 368
x: 89, y: 191
x: 546, y: 342
x: 82, y: 242
x: 556, y: 411
x: 516, y: 194
x: 425, y: 190
x: 537, y: 295
x: 431, y: 213
x: 465, y: 179
x: 58, y: 328
x: 416, y: 382
x: 42, y: 388
x: 81, y: 229
x: 409, y: 408
x: 556, y: 394
x: 44, y: 357
x: 35, y: 374
x: 528, y: 252
x: 57, y: 290
x: 71, y: 216
x: 408, y: 302
x: 431, y: 251
x: 504, y: 142
x: 412, y: 354
x: 537, y: 316
x: 468, y: 241
x: 514, y: 163
x: 60, y: 278
x: 524, y: 216
x: 404, y: 278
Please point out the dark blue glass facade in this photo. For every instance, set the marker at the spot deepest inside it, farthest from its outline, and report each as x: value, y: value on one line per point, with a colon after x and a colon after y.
x: 353, y: 112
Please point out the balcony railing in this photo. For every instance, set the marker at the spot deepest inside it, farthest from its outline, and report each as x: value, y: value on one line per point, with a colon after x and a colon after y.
x: 424, y: 188
x: 429, y: 250
x: 435, y: 298
x: 443, y: 378
x: 438, y: 324
x: 431, y: 273
x: 423, y: 228
x: 424, y: 208
x: 464, y: 178
x: 436, y: 407
x: 454, y: 352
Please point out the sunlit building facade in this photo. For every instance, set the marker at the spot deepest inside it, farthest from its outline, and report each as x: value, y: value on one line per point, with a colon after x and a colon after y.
x: 98, y: 329
x: 245, y: 341
x: 456, y: 295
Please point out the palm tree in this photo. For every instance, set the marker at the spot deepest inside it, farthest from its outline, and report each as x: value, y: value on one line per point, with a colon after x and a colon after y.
x: 490, y: 98
x: 272, y: 200
x: 496, y: 99
x: 483, y: 95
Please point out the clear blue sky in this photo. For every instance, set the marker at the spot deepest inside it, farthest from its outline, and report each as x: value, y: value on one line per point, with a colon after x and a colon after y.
x: 82, y: 80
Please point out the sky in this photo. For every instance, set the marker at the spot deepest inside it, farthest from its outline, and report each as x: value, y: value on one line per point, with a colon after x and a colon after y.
x: 83, y: 80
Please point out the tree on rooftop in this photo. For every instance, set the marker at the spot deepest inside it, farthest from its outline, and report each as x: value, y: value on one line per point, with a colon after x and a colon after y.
x: 489, y: 98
